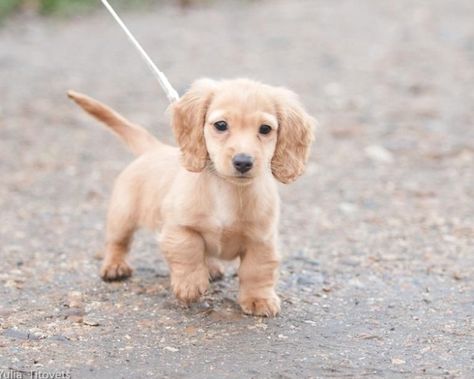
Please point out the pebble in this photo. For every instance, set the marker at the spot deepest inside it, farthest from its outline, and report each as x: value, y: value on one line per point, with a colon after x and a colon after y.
x: 379, y: 154
x: 348, y: 208
x: 172, y: 349
x: 90, y: 322
x: 34, y: 334
x: 398, y: 361
x: 75, y: 299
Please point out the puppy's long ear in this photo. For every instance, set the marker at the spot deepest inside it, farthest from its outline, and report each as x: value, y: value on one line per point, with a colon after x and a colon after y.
x: 295, y: 135
x: 189, y: 116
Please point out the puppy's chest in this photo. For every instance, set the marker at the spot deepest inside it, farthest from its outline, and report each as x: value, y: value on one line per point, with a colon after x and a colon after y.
x: 229, y: 227
x: 225, y: 212
x: 225, y: 242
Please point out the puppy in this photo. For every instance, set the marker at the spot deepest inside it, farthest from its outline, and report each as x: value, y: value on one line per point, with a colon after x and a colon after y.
x: 215, y: 198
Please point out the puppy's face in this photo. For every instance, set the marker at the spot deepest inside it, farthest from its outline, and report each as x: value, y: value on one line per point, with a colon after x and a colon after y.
x: 242, y: 129
x: 240, y: 132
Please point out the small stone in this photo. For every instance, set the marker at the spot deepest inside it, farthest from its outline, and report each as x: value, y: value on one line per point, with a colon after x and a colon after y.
x: 75, y: 299
x: 16, y: 334
x: 172, y: 349
x: 305, y: 280
x: 75, y: 318
x: 59, y: 337
x: 379, y: 154
x: 190, y: 330
x: 398, y: 361
x: 34, y: 334
x: 71, y: 312
x: 261, y: 325
x: 347, y: 208
x: 87, y: 321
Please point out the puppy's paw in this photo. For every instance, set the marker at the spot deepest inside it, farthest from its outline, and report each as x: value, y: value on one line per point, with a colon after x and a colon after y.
x: 268, y: 307
x: 216, y: 270
x: 111, y: 271
x: 189, y: 288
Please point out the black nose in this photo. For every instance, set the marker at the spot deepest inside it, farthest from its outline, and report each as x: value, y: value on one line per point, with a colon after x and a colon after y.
x: 242, y: 162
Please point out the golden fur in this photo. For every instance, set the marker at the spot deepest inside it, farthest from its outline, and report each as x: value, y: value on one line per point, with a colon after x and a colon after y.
x: 204, y: 208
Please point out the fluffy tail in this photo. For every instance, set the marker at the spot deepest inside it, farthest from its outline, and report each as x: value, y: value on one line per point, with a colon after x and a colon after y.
x: 135, y: 137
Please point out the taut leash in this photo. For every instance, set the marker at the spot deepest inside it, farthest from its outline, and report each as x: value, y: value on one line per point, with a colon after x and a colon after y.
x: 170, y: 92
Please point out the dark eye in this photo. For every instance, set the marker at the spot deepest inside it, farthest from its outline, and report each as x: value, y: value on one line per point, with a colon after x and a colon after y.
x: 265, y: 129
x: 221, y: 126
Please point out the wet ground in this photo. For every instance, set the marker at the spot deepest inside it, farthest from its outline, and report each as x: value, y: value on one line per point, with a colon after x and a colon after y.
x: 377, y: 237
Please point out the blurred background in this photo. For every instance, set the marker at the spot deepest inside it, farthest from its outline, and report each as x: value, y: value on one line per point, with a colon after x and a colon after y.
x: 377, y: 237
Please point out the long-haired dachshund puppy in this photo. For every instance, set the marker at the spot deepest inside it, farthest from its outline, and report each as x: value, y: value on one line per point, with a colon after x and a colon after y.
x: 215, y: 198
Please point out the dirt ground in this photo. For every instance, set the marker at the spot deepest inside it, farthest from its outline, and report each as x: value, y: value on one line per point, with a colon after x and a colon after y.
x: 377, y: 237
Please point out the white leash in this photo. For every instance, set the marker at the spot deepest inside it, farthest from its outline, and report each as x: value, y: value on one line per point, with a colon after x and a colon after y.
x: 162, y: 79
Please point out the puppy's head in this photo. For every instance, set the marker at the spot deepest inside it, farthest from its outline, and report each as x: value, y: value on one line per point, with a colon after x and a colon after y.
x: 242, y: 129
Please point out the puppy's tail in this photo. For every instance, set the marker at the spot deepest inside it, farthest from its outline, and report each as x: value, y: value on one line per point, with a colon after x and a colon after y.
x: 135, y: 137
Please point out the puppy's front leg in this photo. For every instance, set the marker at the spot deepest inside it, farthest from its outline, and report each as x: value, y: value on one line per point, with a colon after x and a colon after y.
x: 258, y: 274
x: 184, y: 252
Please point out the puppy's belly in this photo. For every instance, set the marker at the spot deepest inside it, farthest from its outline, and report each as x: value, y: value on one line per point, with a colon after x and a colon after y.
x: 223, y: 244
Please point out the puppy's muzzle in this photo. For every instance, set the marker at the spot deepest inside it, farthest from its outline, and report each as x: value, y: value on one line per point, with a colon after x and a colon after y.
x: 242, y: 163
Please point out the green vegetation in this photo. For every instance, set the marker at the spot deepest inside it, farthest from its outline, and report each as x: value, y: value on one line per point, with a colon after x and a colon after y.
x: 62, y: 6
x: 7, y: 6
x: 59, y: 7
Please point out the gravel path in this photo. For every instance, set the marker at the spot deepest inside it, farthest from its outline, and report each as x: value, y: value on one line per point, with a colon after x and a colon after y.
x: 378, y: 237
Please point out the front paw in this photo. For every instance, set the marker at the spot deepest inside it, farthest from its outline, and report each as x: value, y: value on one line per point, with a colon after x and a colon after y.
x: 257, y: 306
x: 189, y: 288
x: 118, y: 270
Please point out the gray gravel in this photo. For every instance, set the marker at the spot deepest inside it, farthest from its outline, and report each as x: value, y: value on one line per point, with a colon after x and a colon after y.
x: 377, y: 238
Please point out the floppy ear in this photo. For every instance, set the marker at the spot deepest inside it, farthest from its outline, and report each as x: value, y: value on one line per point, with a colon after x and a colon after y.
x: 189, y: 116
x: 295, y: 135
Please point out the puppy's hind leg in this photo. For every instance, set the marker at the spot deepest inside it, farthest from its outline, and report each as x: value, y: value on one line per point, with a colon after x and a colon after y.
x: 120, y: 228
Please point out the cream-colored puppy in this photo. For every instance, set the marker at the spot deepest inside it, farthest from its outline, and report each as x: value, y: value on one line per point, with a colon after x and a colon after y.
x: 216, y: 196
